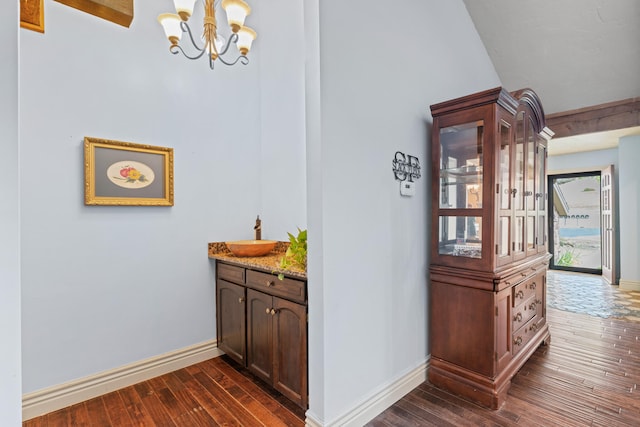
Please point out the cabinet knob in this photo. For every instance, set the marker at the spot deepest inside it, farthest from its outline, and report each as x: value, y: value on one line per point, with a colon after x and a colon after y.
x: 240, y: 300
x: 274, y: 311
x: 268, y: 310
x: 270, y: 283
x: 514, y: 191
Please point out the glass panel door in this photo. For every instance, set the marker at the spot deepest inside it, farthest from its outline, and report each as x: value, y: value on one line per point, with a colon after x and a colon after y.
x: 576, y: 236
x: 461, y: 187
x: 518, y: 192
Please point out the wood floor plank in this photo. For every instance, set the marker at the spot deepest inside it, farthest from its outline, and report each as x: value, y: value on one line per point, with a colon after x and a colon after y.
x: 245, y: 417
x: 135, y: 408
x: 116, y: 409
x: 210, y: 403
x: 78, y: 415
x: 182, y: 395
x: 98, y: 414
x: 58, y: 418
x: 292, y: 416
x: 245, y: 398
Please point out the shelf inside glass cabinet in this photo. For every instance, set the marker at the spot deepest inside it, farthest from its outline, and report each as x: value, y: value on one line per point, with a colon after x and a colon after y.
x: 469, y: 174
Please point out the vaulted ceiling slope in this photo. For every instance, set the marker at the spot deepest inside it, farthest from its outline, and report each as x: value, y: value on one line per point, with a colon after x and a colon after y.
x: 572, y: 53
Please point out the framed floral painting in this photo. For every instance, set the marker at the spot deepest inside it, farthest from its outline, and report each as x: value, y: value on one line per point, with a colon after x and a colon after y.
x: 124, y: 173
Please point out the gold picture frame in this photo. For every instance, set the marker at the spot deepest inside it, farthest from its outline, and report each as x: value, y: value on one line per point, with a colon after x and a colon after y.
x: 127, y: 174
x: 32, y: 15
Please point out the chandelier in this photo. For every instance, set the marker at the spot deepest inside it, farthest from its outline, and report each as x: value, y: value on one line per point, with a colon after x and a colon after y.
x: 213, y: 45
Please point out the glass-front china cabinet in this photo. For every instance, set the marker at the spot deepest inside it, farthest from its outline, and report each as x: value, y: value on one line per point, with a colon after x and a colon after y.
x: 489, y: 246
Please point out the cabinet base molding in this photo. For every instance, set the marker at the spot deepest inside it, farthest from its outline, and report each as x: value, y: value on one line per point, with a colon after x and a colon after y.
x: 377, y: 402
x: 629, y: 285
x: 60, y: 396
x: 486, y: 391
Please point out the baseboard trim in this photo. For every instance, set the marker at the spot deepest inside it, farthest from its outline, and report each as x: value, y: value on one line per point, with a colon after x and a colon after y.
x: 629, y: 285
x: 378, y: 401
x: 60, y: 396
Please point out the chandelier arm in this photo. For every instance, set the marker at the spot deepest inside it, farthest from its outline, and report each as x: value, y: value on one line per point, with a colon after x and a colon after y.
x: 242, y: 59
x: 186, y: 29
x: 232, y: 39
x: 177, y: 48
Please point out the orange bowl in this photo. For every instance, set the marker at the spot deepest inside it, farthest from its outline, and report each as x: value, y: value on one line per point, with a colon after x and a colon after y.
x: 246, y: 248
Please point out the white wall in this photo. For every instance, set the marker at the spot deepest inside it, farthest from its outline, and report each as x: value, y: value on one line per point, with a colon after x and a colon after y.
x: 369, y: 274
x: 581, y: 162
x: 10, y: 377
x: 281, y: 72
x: 629, y: 201
x: 107, y: 286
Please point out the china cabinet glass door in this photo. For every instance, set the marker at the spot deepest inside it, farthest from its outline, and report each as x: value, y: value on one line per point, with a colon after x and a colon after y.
x: 504, y: 202
x: 460, y: 202
x: 518, y: 189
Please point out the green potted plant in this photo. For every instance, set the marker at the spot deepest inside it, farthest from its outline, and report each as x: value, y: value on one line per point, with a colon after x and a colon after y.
x: 296, y: 254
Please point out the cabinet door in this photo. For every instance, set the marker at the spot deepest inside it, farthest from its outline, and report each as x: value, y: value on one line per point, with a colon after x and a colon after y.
x: 290, y: 350
x: 503, y: 329
x: 460, y: 212
x: 504, y: 202
x: 518, y: 190
x: 230, y: 306
x: 260, y: 334
x: 541, y: 196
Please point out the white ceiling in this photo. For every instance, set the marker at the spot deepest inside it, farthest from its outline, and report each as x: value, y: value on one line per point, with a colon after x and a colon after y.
x: 572, y: 53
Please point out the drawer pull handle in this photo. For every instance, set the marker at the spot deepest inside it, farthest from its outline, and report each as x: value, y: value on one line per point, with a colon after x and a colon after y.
x: 517, y: 317
x: 240, y: 300
x: 532, y: 306
x: 517, y: 341
x: 270, y: 283
x: 532, y: 286
x: 520, y: 294
x: 533, y: 327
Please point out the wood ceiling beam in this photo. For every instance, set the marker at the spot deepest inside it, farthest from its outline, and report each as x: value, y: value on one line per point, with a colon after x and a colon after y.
x: 117, y: 11
x: 598, y: 118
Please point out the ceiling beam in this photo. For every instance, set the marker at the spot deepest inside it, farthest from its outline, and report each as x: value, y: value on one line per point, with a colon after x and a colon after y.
x: 117, y: 11
x: 598, y: 118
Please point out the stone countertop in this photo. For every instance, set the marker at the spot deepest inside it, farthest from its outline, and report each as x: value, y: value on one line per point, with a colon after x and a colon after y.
x: 268, y: 263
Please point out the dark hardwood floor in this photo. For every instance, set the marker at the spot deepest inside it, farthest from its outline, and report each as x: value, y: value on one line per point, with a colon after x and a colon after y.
x: 588, y: 376
x: 216, y: 392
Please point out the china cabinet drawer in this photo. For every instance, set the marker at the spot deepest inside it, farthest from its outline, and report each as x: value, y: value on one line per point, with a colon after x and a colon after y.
x: 523, y: 335
x: 524, y: 312
x: 287, y: 288
x: 525, y: 290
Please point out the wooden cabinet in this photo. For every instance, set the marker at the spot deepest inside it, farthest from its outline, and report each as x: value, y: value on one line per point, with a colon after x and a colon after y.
x: 488, y: 251
x: 262, y: 324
